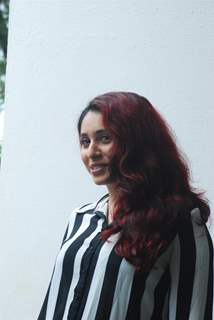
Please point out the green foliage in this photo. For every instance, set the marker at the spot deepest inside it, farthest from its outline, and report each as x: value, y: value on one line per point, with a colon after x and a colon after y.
x: 4, y: 13
x: 2, y: 90
x: 2, y: 81
x: 2, y: 67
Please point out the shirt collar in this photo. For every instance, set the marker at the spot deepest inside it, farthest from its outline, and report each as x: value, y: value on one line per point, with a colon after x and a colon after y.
x: 101, y: 206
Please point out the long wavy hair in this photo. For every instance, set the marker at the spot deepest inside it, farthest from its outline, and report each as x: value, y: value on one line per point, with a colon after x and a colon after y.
x: 151, y: 175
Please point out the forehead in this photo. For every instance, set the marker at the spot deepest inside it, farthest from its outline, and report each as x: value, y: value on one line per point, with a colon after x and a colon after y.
x: 92, y: 122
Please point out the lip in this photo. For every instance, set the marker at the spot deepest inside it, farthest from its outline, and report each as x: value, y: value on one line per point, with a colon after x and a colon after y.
x: 97, y: 169
x: 97, y: 165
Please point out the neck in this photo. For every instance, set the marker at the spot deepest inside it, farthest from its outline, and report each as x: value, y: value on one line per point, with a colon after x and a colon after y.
x: 110, y: 212
x: 111, y: 201
x: 111, y: 191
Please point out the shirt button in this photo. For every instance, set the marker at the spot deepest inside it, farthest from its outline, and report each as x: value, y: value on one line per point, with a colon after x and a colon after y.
x: 77, y: 295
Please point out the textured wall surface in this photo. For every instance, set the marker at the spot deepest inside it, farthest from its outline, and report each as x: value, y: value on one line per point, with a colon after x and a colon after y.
x: 62, y: 53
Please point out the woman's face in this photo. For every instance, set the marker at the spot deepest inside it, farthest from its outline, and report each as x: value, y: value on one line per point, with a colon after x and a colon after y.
x: 96, y: 147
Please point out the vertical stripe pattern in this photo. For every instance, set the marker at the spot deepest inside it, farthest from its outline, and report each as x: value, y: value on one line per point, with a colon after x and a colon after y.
x: 91, y: 282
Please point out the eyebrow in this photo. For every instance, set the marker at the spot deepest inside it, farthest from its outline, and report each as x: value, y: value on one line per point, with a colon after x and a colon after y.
x: 96, y: 132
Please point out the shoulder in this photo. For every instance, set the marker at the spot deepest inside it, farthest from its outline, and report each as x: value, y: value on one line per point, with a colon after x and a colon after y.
x: 90, y: 207
x: 192, y: 236
x: 191, y: 223
x: 81, y: 210
x: 75, y: 218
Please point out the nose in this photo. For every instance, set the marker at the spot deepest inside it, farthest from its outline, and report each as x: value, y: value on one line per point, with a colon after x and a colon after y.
x: 94, y: 150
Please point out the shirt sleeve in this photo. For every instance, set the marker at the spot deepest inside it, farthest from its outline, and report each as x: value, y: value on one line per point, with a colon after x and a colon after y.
x: 191, y: 271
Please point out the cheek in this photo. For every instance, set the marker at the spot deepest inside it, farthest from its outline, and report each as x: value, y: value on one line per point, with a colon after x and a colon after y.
x: 83, y: 157
x: 111, y: 151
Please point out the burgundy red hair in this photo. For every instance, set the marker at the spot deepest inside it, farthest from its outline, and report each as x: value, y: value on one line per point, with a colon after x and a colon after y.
x: 152, y: 177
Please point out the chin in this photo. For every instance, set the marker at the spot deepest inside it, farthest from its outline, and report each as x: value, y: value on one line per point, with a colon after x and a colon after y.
x: 101, y: 181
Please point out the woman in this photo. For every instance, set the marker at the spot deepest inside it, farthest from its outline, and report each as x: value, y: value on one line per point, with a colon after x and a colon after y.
x: 143, y: 250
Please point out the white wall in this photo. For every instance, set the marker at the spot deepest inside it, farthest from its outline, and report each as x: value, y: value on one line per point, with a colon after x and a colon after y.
x: 60, y: 55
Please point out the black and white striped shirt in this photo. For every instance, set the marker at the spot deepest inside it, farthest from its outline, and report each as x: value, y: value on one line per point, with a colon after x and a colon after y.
x: 90, y: 282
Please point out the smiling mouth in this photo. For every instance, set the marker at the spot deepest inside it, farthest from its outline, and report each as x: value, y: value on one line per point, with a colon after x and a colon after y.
x: 98, y: 170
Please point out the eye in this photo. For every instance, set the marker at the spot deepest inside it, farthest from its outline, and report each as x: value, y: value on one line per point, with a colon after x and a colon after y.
x: 84, y: 142
x: 105, y: 138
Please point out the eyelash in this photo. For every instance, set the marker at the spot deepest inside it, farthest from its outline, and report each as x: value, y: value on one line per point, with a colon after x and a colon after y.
x: 85, y: 140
